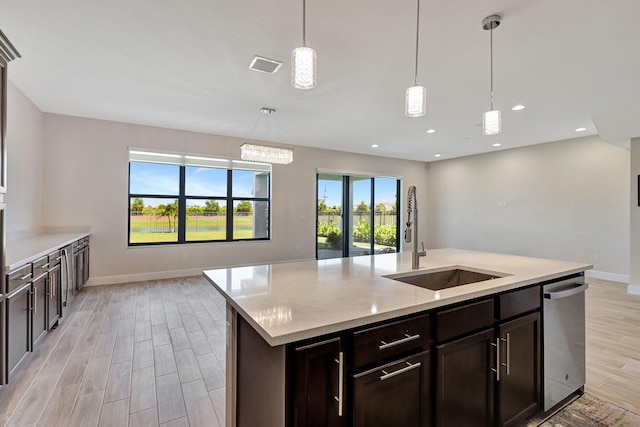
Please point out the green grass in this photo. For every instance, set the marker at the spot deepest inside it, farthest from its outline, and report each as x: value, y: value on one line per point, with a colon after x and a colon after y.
x: 208, y: 228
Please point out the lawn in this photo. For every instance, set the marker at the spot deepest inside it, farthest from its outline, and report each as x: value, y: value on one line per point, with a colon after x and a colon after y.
x: 145, y: 229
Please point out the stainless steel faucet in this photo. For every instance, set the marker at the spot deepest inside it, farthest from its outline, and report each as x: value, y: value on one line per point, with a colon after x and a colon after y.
x: 412, y: 207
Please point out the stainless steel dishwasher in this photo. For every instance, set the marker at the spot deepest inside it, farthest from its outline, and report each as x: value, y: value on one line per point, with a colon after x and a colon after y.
x: 564, y: 339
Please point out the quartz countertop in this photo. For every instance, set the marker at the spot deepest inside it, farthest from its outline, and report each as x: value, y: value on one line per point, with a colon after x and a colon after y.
x: 292, y: 301
x: 27, y: 249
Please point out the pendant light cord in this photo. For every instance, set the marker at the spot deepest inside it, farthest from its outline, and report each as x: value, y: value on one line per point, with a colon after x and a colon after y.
x: 491, y: 50
x: 417, y: 40
x: 304, y: 23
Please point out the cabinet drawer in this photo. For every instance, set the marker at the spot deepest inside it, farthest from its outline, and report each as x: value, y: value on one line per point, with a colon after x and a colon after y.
x: 518, y: 302
x: 54, y: 258
x: 381, y: 342
x: 461, y: 320
x: 40, y: 266
x: 19, y: 277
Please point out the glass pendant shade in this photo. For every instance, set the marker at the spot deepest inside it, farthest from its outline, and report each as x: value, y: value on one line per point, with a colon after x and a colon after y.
x: 492, y: 122
x: 415, y: 101
x: 303, y: 68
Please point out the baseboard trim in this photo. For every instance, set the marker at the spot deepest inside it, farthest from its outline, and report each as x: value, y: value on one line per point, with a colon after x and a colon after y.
x: 633, y: 289
x: 169, y: 274
x: 603, y: 275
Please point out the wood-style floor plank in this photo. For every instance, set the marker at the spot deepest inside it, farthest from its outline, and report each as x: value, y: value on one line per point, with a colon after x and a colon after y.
x: 170, y: 399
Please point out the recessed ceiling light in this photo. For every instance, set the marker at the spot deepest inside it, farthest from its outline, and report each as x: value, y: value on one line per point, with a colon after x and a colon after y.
x: 374, y: 146
x: 437, y: 155
x: 580, y: 129
x: 517, y: 107
x: 497, y: 144
x: 431, y: 131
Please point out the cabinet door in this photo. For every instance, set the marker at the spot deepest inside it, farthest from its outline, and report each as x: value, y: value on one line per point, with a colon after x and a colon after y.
x: 519, y: 385
x: 464, y: 389
x: 39, y: 312
x: 54, y: 290
x: 396, y: 394
x: 78, y: 264
x: 319, y: 391
x: 85, y: 265
x: 18, y: 307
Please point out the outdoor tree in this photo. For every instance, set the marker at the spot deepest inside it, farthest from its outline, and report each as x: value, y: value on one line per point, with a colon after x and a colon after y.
x: 137, y: 205
x: 171, y: 212
x: 362, y: 207
x: 322, y: 206
x: 244, y: 207
x: 211, y: 206
x: 380, y: 207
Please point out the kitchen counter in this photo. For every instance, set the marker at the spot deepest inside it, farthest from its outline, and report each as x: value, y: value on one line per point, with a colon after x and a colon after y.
x: 294, y: 301
x: 27, y: 249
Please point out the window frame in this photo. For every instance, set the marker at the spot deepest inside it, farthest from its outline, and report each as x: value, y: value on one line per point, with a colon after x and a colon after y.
x: 182, y: 198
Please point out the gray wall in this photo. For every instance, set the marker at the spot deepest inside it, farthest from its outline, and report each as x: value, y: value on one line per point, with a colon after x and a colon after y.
x: 86, y: 184
x: 567, y: 200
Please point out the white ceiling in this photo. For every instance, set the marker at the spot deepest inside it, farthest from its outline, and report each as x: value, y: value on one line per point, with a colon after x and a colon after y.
x: 184, y: 65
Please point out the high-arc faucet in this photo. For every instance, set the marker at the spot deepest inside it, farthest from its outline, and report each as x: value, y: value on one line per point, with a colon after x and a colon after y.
x: 412, y: 207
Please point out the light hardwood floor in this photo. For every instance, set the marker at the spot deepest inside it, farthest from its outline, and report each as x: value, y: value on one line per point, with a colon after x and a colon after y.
x: 613, y: 344
x: 143, y: 354
x: 152, y: 353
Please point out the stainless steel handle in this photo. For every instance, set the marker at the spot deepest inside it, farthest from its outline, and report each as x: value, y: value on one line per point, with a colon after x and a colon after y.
x: 35, y: 301
x: 567, y: 292
x: 340, y: 361
x: 409, y: 367
x: 45, y: 266
x: 25, y: 277
x: 508, y: 358
x: 408, y: 338
x: 497, y: 368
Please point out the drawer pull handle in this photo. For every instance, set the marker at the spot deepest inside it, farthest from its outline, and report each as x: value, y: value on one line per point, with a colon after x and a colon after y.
x: 508, y: 364
x: 407, y: 338
x: 399, y: 371
x: 26, y: 276
x: 497, y: 368
x: 340, y: 361
x: 45, y: 266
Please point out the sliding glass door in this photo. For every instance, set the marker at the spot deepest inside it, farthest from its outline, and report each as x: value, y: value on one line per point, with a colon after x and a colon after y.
x: 356, y: 215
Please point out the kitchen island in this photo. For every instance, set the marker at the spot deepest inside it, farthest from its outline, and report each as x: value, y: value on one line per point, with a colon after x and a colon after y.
x: 304, y: 337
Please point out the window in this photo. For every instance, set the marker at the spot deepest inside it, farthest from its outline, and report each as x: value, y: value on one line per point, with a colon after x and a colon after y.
x: 356, y: 215
x: 186, y: 199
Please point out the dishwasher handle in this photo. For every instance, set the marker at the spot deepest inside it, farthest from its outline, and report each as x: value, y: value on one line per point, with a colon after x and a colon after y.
x: 582, y: 286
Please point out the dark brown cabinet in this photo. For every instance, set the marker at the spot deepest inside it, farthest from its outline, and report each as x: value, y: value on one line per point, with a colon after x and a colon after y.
x: 18, y: 327
x: 519, y: 385
x: 319, y: 385
x: 81, y: 263
x: 464, y: 381
x: 394, y: 394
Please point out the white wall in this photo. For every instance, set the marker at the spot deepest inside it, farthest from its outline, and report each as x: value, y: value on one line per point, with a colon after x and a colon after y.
x: 85, y: 184
x: 566, y: 200
x: 24, y: 169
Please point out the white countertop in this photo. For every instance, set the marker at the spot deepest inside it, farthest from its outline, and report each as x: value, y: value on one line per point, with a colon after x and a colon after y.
x: 298, y: 300
x: 27, y: 249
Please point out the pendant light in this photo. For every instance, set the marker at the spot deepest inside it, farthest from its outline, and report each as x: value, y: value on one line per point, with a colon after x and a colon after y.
x: 492, y: 119
x: 303, y: 59
x: 415, y: 99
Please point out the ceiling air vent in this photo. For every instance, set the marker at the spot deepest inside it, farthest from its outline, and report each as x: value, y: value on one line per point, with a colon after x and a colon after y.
x: 264, y: 65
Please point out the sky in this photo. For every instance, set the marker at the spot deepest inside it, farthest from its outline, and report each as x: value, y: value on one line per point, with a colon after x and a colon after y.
x: 161, y: 179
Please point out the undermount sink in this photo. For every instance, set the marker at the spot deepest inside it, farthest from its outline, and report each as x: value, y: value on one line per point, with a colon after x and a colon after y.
x: 443, y: 279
